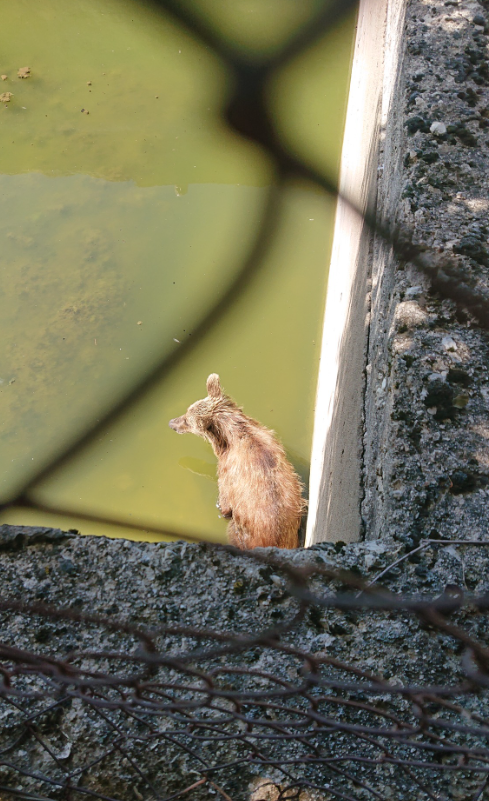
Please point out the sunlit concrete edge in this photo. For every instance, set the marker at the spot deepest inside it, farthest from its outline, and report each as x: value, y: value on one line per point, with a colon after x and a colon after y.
x: 335, y: 487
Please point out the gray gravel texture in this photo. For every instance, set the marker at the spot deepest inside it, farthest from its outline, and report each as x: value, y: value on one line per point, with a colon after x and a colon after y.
x: 178, y: 584
x: 427, y: 401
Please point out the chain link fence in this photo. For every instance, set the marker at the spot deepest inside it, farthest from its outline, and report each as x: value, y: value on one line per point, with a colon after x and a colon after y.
x: 301, y: 724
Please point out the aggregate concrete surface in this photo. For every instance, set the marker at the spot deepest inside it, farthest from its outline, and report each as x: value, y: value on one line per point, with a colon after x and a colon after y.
x: 151, y: 585
x: 427, y: 402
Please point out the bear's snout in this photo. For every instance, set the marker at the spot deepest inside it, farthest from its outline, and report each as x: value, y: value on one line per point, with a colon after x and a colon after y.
x: 178, y: 425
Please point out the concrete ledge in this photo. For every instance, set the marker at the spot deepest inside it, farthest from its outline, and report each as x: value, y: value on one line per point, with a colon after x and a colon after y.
x: 65, y: 739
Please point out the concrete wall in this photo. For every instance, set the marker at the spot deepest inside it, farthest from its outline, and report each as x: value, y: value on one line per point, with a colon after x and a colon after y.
x: 403, y: 454
x: 67, y: 741
x: 426, y: 463
x: 336, y: 462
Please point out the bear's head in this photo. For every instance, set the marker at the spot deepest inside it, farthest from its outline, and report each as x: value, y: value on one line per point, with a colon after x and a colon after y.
x: 201, y: 417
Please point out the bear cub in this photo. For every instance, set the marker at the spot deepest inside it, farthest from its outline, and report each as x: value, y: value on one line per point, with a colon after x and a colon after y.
x: 259, y: 492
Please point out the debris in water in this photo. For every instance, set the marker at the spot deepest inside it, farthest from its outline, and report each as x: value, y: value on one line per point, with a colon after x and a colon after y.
x: 176, y: 340
x: 89, y: 83
x: 4, y: 77
x: 5, y: 97
x: 85, y: 111
x: 24, y: 72
x: 140, y: 322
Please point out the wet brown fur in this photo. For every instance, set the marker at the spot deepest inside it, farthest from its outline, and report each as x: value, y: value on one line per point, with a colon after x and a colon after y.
x: 259, y: 492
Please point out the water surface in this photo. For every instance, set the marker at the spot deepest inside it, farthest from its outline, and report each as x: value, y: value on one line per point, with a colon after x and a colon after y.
x: 120, y: 227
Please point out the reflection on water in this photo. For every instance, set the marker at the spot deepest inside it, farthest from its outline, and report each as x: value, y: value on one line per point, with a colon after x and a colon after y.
x: 118, y: 229
x: 199, y: 467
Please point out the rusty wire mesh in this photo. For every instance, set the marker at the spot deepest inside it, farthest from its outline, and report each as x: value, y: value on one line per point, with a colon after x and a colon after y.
x: 315, y: 724
x: 315, y: 727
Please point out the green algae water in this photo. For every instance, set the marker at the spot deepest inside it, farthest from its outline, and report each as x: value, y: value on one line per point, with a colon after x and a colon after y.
x: 126, y: 207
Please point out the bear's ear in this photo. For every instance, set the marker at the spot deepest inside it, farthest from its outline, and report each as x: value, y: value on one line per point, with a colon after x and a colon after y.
x: 214, y: 386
